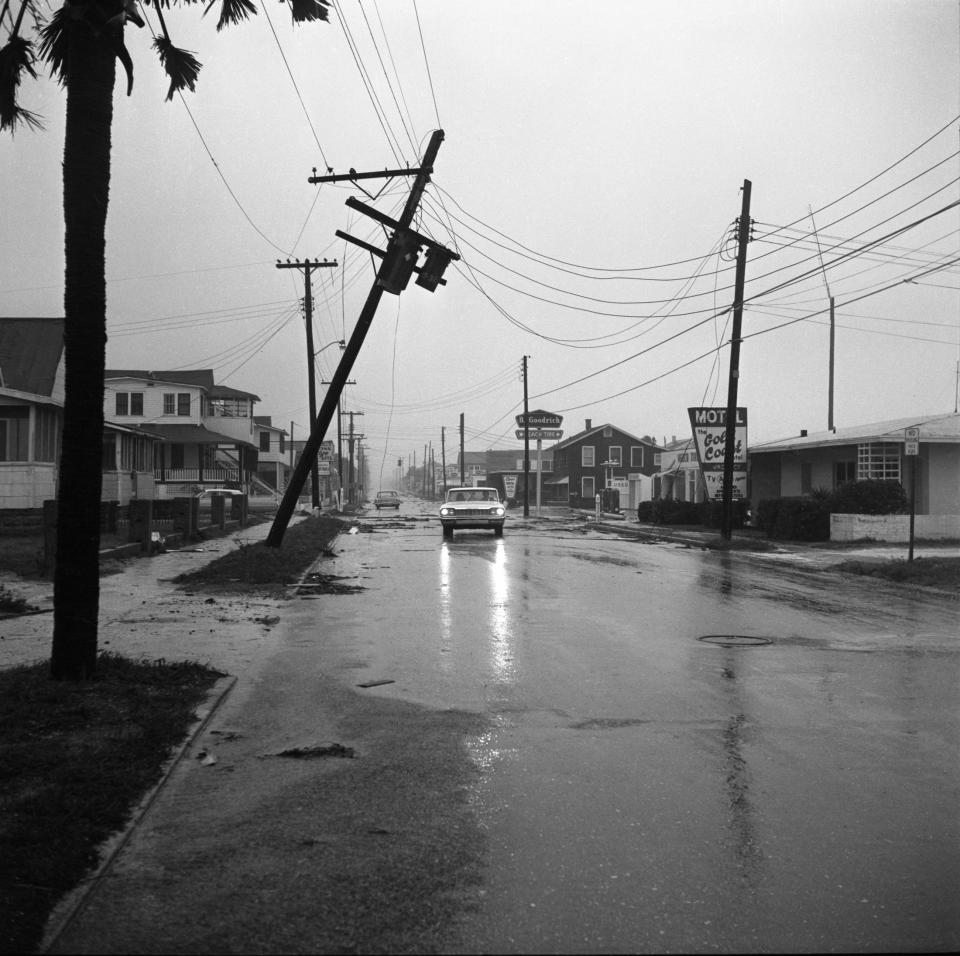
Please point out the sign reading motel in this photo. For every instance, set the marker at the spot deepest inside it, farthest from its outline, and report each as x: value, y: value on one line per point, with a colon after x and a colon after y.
x: 710, y: 438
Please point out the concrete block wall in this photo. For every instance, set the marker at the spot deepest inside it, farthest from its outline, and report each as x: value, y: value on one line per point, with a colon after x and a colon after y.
x: 895, y: 528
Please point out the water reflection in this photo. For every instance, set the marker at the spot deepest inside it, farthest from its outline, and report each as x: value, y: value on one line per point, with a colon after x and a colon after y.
x: 463, y: 607
x: 445, y: 630
x: 501, y: 645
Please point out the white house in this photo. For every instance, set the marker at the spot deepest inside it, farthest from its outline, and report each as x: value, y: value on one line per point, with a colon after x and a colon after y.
x: 207, y: 430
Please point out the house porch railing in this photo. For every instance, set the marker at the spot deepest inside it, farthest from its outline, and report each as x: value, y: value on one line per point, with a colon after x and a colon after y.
x: 214, y: 473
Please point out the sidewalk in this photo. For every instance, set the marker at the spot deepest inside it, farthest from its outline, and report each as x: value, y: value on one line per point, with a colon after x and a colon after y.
x: 141, y: 615
x: 257, y: 844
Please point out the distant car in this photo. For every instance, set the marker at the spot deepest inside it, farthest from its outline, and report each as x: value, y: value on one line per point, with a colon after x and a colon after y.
x: 472, y: 508
x: 386, y: 499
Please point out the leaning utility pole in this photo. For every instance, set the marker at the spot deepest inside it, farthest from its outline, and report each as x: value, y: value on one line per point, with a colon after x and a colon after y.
x: 306, y: 266
x: 743, y: 237
x: 400, y: 262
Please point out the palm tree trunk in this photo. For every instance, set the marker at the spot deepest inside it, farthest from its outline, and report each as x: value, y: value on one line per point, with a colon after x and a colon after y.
x: 86, y: 184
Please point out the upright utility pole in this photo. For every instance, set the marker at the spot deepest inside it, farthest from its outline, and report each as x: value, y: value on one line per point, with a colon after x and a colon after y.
x: 462, y: 467
x: 305, y: 267
x: 743, y: 237
x: 830, y: 385
x: 526, y: 445
x: 443, y: 458
x: 401, y: 249
x: 340, y: 414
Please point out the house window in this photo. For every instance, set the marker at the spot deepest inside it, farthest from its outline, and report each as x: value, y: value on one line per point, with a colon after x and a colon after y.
x: 169, y: 403
x: 608, y: 433
x: 878, y: 459
x: 46, y: 435
x: 264, y: 441
x: 806, y: 477
x: 228, y: 407
x: 183, y: 403
x: 587, y: 488
x: 129, y: 403
x: 615, y: 454
x: 636, y: 456
x: 588, y: 457
x: 283, y: 444
x: 844, y: 471
x: 14, y: 433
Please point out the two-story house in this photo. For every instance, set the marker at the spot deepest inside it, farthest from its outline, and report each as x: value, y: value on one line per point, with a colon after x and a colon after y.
x: 597, y: 458
x: 207, y: 430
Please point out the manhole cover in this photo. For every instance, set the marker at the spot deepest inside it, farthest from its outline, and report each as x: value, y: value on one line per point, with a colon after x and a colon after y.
x: 735, y: 640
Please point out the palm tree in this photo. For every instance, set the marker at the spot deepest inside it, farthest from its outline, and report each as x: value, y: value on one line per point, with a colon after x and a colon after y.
x: 81, y: 43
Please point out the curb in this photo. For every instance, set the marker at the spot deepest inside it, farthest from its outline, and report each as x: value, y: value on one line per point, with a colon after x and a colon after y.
x: 70, y: 906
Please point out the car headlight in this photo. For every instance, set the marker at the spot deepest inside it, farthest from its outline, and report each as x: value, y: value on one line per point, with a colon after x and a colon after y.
x: 446, y: 511
x: 496, y: 511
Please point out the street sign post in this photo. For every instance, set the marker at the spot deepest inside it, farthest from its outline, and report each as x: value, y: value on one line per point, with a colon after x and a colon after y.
x: 911, y: 442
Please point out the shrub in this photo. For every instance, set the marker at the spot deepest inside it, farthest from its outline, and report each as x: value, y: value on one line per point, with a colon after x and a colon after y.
x: 796, y: 519
x: 668, y: 511
x: 869, y: 497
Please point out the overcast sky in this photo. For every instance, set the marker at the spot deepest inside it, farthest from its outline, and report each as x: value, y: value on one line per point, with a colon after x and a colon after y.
x: 590, y: 178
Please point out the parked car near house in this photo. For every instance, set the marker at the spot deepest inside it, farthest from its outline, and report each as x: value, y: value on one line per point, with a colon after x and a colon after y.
x: 467, y: 508
x: 386, y: 499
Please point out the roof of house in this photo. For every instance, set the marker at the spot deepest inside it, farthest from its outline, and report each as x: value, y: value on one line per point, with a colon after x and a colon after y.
x: 198, y: 378
x: 933, y: 428
x: 264, y: 421
x: 30, y: 350
x: 194, y: 434
x: 587, y: 432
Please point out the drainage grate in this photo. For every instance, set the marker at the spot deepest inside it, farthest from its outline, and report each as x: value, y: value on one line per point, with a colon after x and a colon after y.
x: 735, y: 640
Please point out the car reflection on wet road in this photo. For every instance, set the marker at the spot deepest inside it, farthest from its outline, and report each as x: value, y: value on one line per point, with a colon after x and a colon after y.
x: 643, y: 790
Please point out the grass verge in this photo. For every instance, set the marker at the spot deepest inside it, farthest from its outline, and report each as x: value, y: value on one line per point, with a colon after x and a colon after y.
x: 928, y: 572
x: 75, y: 760
x: 269, y: 570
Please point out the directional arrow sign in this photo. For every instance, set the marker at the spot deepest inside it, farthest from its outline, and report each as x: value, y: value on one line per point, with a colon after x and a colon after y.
x: 541, y: 434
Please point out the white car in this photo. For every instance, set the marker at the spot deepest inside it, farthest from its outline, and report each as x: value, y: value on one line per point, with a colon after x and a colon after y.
x: 472, y: 508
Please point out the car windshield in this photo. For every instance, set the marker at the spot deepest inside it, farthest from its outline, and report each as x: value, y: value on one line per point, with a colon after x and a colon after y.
x: 474, y: 494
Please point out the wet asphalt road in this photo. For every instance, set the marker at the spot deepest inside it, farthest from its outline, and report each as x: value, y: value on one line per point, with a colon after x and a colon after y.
x: 642, y: 790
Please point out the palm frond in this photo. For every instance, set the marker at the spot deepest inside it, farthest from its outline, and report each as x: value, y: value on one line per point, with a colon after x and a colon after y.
x: 232, y: 12
x: 306, y: 10
x: 180, y: 65
x: 53, y: 45
x: 16, y: 58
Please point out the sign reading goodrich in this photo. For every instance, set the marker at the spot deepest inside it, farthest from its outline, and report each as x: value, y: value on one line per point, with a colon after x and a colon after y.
x: 540, y: 419
x: 710, y: 436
